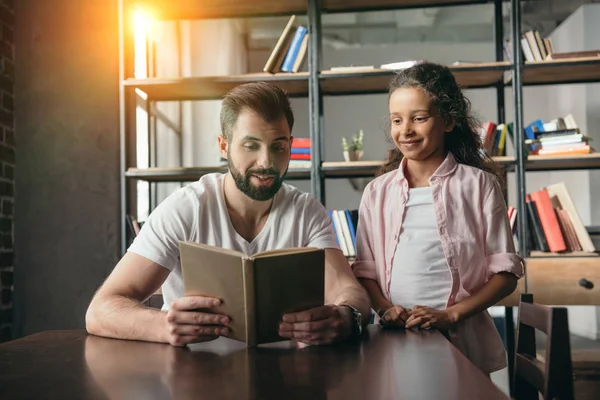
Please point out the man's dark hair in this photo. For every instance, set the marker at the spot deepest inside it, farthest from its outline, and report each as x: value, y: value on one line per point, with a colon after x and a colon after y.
x: 265, y: 99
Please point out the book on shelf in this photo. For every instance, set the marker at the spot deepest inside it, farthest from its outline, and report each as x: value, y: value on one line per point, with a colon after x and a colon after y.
x: 534, y: 46
x: 494, y: 138
x: 300, y: 150
x: 344, y: 224
x: 294, y: 50
x: 560, y: 136
x: 290, y: 50
x: 256, y: 291
x: 554, y: 225
x: 352, y: 68
x: 400, y: 64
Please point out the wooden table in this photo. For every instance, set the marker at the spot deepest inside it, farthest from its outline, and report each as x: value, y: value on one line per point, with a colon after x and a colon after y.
x: 386, y: 364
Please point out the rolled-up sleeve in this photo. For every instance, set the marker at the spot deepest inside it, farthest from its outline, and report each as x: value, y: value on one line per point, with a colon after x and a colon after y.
x: 499, y: 244
x: 364, y: 266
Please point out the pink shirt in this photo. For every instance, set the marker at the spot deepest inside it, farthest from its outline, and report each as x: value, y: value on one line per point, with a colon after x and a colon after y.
x: 473, y: 224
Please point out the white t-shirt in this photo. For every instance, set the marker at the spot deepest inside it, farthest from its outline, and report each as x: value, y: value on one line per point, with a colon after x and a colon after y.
x: 420, y: 273
x: 198, y: 213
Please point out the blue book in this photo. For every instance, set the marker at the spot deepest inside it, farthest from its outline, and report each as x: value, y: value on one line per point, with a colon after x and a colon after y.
x: 290, y: 57
x: 299, y: 150
x: 532, y: 129
x: 351, y: 227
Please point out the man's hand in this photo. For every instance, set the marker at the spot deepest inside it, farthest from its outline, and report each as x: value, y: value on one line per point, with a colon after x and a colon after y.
x: 426, y: 317
x: 322, y: 325
x: 189, y: 322
x: 394, y: 316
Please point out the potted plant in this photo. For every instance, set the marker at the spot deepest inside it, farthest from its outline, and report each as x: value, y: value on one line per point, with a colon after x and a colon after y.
x: 354, y: 150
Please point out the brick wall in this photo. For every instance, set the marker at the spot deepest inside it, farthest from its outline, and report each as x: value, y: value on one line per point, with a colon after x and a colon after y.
x: 7, y: 165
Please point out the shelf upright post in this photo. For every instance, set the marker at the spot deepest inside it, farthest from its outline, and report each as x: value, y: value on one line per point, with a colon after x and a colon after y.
x: 499, y: 43
x: 315, y: 98
x: 520, y: 172
x: 127, y: 134
x: 518, y: 128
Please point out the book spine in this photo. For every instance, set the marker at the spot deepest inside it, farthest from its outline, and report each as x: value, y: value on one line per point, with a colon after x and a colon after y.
x: 249, y: 301
x: 548, y: 221
x: 290, y: 58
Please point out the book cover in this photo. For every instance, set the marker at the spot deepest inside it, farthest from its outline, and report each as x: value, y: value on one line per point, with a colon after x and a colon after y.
x: 255, y: 290
x: 549, y: 222
x: 290, y: 57
x: 275, y: 60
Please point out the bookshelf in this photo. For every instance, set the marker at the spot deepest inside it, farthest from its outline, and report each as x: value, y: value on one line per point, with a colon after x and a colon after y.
x: 318, y: 83
x: 553, y: 279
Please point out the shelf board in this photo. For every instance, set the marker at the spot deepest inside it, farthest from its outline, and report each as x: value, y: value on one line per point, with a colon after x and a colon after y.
x: 201, y: 9
x: 549, y: 163
x: 372, y: 5
x: 562, y: 71
x: 361, y: 169
x: 377, y: 80
x: 353, y: 169
x: 198, y: 9
x: 357, y: 169
x: 189, y: 174
x: 214, y: 87
x: 575, y: 254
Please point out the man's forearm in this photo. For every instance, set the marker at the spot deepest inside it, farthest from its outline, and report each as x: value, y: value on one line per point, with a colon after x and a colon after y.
x: 123, y: 318
x: 357, y: 297
x: 498, y: 287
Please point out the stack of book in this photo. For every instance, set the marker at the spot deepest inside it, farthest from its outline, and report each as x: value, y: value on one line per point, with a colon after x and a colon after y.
x: 535, y: 48
x: 300, y: 157
x: 560, y: 136
x: 554, y: 225
x: 290, y: 50
x: 494, y: 137
x: 344, y: 224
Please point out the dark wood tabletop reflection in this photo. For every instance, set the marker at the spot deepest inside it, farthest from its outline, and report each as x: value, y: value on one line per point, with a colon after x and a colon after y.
x: 386, y: 364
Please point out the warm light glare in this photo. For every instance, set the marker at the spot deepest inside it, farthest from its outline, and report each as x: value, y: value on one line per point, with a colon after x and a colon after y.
x: 142, y: 22
x: 142, y: 33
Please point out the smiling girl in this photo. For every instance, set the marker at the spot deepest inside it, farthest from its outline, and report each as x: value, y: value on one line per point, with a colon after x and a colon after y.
x: 434, y: 244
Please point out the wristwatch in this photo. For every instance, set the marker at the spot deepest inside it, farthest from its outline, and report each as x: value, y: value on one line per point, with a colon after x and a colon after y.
x: 356, y: 321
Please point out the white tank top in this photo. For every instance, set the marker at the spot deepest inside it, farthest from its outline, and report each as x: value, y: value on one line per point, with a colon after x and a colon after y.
x: 420, y: 273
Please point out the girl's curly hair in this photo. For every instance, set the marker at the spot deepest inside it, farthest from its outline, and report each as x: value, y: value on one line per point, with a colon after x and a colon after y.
x: 464, y: 141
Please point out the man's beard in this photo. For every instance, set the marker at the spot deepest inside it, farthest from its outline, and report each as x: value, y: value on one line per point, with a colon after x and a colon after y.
x: 244, y: 183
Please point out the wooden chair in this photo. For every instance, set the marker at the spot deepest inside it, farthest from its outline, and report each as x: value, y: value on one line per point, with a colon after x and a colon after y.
x: 553, y: 378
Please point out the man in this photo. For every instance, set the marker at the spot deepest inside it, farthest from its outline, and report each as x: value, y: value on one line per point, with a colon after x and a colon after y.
x: 249, y: 209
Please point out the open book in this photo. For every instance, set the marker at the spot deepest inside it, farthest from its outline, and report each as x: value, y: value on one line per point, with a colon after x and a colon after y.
x: 255, y: 290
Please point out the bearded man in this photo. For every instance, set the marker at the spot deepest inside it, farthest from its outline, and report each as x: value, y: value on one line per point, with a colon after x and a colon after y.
x: 249, y: 209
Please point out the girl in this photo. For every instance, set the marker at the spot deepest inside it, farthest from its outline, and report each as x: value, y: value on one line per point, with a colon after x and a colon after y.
x: 434, y: 244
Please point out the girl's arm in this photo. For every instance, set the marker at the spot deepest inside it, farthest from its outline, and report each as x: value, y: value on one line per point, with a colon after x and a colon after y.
x: 498, y: 287
x: 504, y: 266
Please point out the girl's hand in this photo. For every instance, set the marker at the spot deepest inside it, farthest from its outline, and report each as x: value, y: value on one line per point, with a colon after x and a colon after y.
x: 394, y: 316
x: 426, y: 317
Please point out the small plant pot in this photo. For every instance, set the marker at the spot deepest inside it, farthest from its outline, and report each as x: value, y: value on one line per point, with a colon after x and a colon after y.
x: 353, y: 155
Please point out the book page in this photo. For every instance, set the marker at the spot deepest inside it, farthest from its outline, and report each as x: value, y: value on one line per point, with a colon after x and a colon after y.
x: 216, y: 249
x: 286, y: 283
x: 215, y: 272
x: 272, y: 253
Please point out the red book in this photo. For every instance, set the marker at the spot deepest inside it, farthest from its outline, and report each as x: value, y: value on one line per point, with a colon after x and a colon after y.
x: 301, y: 143
x: 300, y: 157
x: 550, y: 225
